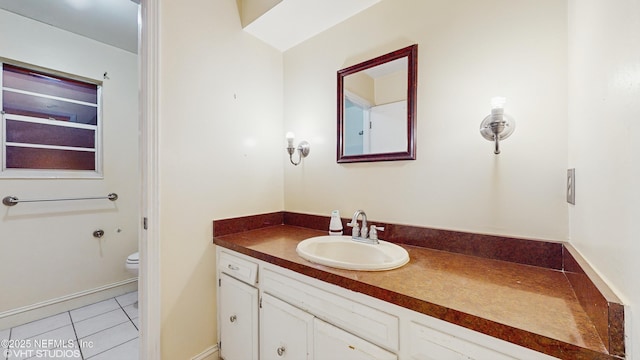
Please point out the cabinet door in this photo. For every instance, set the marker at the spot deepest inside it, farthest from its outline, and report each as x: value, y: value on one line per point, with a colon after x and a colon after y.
x: 238, y: 320
x: 286, y: 332
x: 331, y: 343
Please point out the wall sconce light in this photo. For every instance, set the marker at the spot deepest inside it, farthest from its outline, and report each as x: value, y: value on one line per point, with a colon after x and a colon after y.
x: 303, y: 148
x: 498, y: 125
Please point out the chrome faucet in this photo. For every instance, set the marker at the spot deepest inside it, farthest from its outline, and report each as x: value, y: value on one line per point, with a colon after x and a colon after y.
x: 360, y: 234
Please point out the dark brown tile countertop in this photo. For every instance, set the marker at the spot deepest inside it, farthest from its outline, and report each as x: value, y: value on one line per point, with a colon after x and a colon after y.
x: 531, y: 306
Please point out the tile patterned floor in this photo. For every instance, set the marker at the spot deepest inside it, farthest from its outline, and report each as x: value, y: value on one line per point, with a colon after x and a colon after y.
x: 107, y: 330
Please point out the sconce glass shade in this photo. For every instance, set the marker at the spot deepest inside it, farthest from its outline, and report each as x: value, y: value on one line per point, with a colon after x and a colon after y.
x: 290, y: 136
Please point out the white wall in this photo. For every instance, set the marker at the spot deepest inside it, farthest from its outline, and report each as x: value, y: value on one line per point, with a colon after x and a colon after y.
x: 221, y: 154
x: 604, y: 144
x: 222, y: 133
x: 47, y: 249
x: 469, y: 51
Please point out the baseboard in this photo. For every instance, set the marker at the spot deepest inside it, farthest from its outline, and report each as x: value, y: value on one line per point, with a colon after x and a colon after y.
x: 25, y: 314
x: 209, y: 354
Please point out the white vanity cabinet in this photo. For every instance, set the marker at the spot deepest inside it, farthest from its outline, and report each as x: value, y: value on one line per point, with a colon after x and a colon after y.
x: 336, y: 306
x: 286, y: 332
x: 237, y: 308
x: 305, y: 318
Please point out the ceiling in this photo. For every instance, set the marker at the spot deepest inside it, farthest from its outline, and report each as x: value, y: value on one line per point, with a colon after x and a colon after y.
x: 293, y: 21
x: 113, y: 22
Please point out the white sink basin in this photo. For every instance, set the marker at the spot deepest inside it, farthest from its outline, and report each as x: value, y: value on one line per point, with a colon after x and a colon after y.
x: 342, y: 252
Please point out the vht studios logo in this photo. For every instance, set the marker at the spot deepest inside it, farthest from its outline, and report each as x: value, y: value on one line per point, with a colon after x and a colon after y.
x: 42, y: 353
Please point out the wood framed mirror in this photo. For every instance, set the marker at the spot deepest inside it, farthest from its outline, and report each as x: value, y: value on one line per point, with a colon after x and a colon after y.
x: 377, y: 108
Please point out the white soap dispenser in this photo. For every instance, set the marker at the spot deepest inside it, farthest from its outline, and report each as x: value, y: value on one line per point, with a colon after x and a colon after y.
x: 335, y: 225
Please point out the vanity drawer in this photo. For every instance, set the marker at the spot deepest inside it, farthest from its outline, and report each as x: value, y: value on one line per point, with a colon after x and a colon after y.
x: 430, y: 344
x: 369, y: 323
x: 239, y: 268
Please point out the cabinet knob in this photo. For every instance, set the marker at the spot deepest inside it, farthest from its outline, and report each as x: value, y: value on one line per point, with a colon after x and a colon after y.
x: 233, y: 318
x: 280, y: 350
x: 233, y: 267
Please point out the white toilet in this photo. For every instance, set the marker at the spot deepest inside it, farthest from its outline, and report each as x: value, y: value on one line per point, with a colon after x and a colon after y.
x: 133, y: 263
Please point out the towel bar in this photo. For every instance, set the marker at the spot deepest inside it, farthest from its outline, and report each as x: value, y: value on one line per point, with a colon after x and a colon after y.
x: 12, y: 200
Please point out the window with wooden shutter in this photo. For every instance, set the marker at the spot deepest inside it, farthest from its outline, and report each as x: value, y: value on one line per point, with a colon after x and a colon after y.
x: 50, y: 125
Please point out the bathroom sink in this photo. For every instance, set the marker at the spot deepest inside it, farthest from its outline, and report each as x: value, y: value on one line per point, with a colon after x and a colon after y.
x: 342, y: 252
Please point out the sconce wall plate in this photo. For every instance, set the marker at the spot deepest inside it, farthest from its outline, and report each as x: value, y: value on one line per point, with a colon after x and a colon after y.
x: 497, y: 125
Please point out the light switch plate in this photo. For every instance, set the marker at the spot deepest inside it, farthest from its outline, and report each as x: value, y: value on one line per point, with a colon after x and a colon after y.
x: 571, y: 186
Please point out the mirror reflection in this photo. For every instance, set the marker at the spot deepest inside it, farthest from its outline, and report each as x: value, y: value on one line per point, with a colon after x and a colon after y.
x: 376, y: 108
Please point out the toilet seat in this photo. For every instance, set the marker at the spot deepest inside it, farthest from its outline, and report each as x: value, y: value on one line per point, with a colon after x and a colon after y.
x: 133, y: 259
